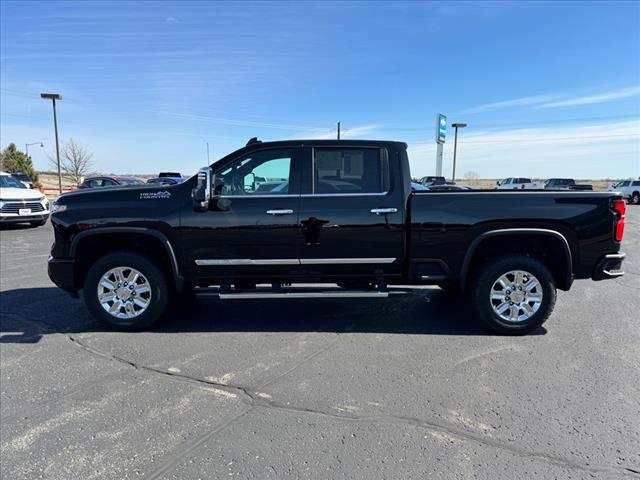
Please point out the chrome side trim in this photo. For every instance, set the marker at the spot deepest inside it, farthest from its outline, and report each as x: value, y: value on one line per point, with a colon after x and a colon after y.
x: 381, y: 194
x: 343, y: 261
x: 290, y: 261
x: 247, y: 261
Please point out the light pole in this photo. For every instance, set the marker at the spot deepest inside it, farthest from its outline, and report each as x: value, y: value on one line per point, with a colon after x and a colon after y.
x: 26, y: 146
x: 455, y: 147
x: 53, y: 97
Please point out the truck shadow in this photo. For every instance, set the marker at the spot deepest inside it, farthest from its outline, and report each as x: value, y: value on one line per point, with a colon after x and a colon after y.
x: 31, y: 313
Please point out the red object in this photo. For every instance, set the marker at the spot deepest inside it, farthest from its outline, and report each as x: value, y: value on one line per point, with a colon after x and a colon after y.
x: 620, y: 207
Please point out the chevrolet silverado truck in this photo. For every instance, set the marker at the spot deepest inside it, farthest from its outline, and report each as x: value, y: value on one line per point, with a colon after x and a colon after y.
x: 328, y: 212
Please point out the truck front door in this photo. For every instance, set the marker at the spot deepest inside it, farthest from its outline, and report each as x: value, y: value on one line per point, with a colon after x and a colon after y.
x: 251, y: 226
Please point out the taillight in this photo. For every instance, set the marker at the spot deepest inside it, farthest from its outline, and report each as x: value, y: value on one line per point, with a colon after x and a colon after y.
x: 620, y: 207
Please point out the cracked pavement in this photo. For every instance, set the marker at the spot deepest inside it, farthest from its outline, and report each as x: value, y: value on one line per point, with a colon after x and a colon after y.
x: 411, y: 387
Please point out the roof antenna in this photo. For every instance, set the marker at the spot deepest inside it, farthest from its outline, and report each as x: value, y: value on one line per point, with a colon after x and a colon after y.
x: 253, y: 140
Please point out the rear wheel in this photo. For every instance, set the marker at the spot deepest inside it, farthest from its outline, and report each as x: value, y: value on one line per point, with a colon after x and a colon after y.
x: 126, y: 290
x: 514, y: 294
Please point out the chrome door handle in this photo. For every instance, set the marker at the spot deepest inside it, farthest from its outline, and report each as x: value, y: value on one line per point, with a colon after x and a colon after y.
x: 382, y: 211
x: 283, y: 211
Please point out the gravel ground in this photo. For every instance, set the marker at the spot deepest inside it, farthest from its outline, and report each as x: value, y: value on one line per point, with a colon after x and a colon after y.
x: 411, y: 387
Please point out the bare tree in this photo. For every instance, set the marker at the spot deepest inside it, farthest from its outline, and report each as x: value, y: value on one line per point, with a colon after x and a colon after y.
x: 75, y: 160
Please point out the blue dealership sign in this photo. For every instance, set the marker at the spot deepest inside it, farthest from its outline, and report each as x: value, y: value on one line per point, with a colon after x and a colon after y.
x: 441, y: 127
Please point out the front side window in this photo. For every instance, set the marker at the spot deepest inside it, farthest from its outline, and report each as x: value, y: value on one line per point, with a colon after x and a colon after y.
x: 348, y: 170
x: 265, y: 172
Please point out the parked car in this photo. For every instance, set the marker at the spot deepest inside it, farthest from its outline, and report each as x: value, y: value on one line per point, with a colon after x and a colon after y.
x: 517, y: 184
x: 630, y: 189
x: 431, y: 179
x: 24, y: 178
x: 565, y: 184
x: 507, y: 251
x: 166, y: 180
x: 19, y: 204
x: 98, y: 182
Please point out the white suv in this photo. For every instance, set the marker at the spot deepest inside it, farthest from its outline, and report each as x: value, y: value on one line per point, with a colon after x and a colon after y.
x: 19, y: 204
x: 629, y: 188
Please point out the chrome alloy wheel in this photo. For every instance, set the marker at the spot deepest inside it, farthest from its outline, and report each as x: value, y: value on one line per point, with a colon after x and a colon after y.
x: 124, y: 292
x: 516, y: 296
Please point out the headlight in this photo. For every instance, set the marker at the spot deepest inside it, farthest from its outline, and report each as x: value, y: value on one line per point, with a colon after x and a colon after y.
x: 56, y: 207
x: 1, y: 204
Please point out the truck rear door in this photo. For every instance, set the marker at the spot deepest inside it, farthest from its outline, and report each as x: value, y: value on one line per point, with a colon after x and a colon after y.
x: 352, y: 211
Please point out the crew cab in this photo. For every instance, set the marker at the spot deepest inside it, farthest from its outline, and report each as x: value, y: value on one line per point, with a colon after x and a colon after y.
x: 516, y: 184
x: 336, y: 212
x: 565, y: 184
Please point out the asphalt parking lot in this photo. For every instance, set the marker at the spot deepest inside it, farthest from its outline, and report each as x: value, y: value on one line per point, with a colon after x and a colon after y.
x: 411, y: 387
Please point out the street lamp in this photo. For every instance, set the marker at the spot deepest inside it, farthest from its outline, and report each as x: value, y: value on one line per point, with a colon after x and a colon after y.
x: 53, y: 97
x: 26, y: 146
x: 455, y: 147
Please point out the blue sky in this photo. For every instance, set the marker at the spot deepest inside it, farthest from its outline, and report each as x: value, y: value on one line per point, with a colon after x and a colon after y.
x: 548, y: 89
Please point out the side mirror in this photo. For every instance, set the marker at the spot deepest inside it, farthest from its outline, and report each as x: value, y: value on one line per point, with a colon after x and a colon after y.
x: 202, y: 193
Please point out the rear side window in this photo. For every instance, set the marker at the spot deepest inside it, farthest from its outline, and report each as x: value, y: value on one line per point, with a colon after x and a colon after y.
x: 349, y: 170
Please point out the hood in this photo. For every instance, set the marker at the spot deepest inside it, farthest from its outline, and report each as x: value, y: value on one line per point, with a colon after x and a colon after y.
x: 123, y: 193
x: 10, y: 193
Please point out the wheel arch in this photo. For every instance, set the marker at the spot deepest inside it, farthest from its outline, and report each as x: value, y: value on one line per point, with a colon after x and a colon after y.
x: 563, y: 273
x: 89, y: 245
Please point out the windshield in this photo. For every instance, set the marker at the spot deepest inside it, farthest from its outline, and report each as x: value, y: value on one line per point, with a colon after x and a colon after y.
x: 7, y: 181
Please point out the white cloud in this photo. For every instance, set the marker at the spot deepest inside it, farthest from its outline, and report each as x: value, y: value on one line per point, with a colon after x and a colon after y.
x: 591, y: 99
x: 516, y: 102
x: 609, y: 150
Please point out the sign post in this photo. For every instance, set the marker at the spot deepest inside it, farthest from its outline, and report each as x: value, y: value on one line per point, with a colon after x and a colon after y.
x: 441, y: 133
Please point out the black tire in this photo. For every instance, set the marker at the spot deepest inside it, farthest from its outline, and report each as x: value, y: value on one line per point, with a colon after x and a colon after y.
x: 38, y: 223
x: 157, y: 281
x: 635, y: 198
x: 490, y: 274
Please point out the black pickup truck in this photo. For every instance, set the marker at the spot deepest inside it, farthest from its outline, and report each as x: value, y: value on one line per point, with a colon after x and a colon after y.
x: 565, y: 184
x: 340, y: 212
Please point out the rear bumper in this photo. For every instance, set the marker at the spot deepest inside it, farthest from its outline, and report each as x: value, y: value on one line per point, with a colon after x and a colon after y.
x: 61, y: 272
x: 609, y: 266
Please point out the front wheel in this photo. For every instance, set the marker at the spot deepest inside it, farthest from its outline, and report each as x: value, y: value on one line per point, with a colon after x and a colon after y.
x: 126, y: 290
x: 635, y: 198
x: 514, y: 294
